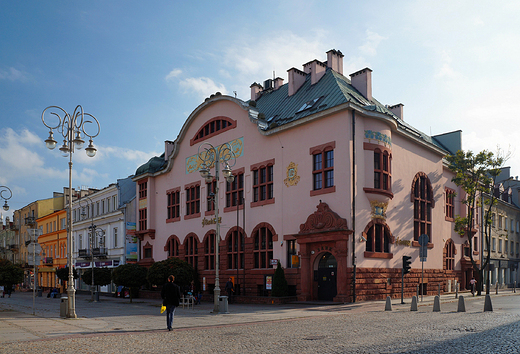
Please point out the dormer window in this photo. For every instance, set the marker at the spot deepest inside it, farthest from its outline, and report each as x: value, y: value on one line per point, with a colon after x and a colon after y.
x: 309, y: 104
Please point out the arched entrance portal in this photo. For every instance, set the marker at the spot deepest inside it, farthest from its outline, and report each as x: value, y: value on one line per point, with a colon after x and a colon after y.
x: 327, y: 274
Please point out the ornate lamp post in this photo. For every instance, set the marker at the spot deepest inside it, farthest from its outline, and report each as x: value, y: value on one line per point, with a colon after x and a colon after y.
x: 2, y: 190
x: 71, y: 127
x: 213, y: 156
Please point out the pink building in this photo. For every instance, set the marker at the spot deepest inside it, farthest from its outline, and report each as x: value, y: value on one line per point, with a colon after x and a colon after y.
x: 328, y: 181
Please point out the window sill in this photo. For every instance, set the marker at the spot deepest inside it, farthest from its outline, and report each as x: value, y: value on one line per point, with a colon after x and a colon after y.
x: 323, y: 191
x: 173, y: 219
x: 209, y: 213
x: 262, y: 202
x: 447, y: 218
x: 192, y: 216
x: 379, y: 255
x: 416, y: 244
x: 233, y: 208
x: 379, y: 191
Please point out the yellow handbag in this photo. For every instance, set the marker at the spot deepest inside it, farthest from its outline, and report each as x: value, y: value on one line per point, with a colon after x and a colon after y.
x: 163, y: 308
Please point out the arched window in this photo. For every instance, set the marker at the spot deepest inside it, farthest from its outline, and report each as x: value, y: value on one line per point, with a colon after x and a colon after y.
x: 378, y: 239
x: 263, y: 247
x: 449, y: 255
x: 209, y: 251
x: 191, y: 250
x: 422, y: 197
x: 213, y: 127
x: 235, y: 249
x: 172, y: 247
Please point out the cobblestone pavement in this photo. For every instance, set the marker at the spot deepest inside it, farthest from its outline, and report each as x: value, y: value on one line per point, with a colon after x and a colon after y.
x: 299, y: 328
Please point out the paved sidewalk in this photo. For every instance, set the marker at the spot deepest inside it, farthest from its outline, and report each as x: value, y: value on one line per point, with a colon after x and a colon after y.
x: 115, y: 315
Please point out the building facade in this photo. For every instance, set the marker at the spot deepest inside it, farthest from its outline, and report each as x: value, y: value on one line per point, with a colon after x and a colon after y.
x: 105, y: 212
x: 329, y: 182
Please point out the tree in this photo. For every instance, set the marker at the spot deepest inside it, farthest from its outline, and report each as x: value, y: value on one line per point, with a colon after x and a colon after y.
x: 476, y: 174
x: 63, y: 273
x: 280, y: 286
x: 10, y: 273
x: 102, y: 276
x: 131, y: 276
x: 183, y: 271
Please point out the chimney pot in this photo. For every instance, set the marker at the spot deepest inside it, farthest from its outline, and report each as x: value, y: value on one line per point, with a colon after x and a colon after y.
x: 335, y: 60
x: 362, y: 81
x: 397, y: 110
x: 256, y: 91
x: 296, y: 80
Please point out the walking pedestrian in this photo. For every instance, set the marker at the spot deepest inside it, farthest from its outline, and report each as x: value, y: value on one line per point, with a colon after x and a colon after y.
x: 229, y: 289
x: 473, y: 283
x: 171, y: 295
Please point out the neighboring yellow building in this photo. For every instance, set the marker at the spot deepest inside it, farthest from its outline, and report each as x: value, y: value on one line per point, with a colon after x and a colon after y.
x: 53, y: 240
x: 24, y: 219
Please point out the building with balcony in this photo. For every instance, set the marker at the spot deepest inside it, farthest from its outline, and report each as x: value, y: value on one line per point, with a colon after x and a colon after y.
x: 329, y: 182
x: 101, y: 225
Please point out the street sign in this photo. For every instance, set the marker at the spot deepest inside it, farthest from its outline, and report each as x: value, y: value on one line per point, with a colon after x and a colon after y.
x: 34, y: 248
x: 30, y: 259
x: 423, y: 251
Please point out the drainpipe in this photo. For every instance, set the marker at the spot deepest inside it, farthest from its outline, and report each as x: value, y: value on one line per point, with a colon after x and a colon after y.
x: 353, y: 206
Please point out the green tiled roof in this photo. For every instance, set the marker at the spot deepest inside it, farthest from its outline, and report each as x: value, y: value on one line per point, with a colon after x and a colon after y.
x: 153, y: 165
x: 333, y: 89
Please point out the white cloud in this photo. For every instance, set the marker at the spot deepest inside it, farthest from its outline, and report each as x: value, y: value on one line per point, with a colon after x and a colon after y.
x: 139, y: 157
x: 202, y: 86
x: 13, y: 74
x: 371, y: 43
x: 173, y: 74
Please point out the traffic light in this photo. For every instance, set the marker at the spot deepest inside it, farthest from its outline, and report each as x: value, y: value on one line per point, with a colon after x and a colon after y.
x: 407, y: 264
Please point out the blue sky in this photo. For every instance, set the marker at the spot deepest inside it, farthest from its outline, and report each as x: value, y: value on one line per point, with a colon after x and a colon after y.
x: 141, y: 67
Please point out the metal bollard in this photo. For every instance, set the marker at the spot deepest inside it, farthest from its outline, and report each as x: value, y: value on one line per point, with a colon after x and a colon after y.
x: 497, y: 288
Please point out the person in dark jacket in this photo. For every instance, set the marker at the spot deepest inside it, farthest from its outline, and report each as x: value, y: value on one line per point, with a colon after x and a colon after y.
x: 171, y: 295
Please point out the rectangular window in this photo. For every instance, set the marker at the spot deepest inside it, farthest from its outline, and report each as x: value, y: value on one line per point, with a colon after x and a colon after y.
x: 235, y: 191
x: 174, y: 204
x: 500, y: 217
x: 103, y: 211
x: 143, y: 192
x: 493, y: 244
x: 115, y: 238
x: 292, y: 255
x: 263, y: 184
x: 193, y: 200
x: 142, y: 219
x: 108, y: 205
x: 512, y: 248
x: 499, y: 246
x: 505, y: 223
x: 512, y: 228
x: 114, y: 202
x: 80, y: 242
x: 382, y: 178
x: 450, y: 193
x: 323, y: 170
x: 506, y: 247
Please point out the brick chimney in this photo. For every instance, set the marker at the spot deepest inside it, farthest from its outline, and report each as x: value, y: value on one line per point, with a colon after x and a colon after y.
x: 362, y: 81
x: 335, y: 60
x: 316, y: 68
x: 278, y: 82
x: 256, y: 90
x: 296, y: 80
x: 397, y: 110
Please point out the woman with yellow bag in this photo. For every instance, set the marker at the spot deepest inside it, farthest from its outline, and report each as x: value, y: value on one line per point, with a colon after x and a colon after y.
x: 171, y: 295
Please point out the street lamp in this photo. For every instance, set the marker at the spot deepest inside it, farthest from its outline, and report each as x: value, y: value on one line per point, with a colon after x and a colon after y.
x: 212, y: 156
x: 71, y: 127
x: 2, y: 190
